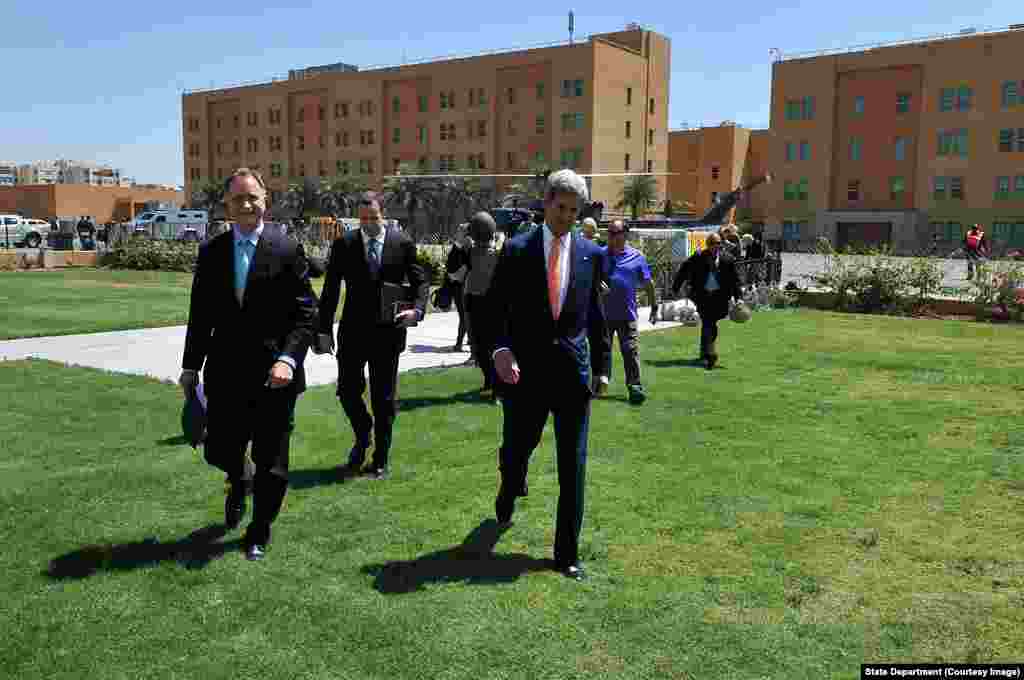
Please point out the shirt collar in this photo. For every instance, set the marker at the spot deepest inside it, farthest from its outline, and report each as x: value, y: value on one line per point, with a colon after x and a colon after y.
x: 379, y: 237
x: 253, y: 236
x: 550, y: 235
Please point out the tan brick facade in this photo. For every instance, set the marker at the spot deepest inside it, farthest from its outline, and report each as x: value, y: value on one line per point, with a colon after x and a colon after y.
x: 874, y: 143
x: 103, y: 204
x: 570, y: 104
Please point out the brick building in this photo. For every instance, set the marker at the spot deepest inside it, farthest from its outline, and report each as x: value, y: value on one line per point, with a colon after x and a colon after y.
x: 103, y: 204
x: 898, y: 143
x: 600, y: 105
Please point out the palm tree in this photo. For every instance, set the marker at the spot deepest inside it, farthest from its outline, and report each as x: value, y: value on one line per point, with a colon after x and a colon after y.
x: 210, y: 195
x: 339, y: 193
x: 638, y: 191
x: 408, y: 191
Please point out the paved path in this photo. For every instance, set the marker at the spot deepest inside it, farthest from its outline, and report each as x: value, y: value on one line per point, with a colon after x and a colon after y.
x: 156, y: 352
x: 796, y: 265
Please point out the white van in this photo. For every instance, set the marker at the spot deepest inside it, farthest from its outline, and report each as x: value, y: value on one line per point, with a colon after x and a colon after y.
x: 172, y: 224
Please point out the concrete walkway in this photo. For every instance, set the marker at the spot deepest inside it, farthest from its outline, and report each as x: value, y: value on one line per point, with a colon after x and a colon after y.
x: 156, y: 352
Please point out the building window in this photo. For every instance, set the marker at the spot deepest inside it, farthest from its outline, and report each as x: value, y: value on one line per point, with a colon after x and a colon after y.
x: 510, y: 160
x: 903, y: 102
x: 337, y: 139
x: 572, y: 88
x: 220, y: 148
x: 362, y: 138
x: 1006, y: 139
x: 629, y: 129
x: 511, y: 127
x: 396, y: 105
x: 572, y: 121
x: 795, y: 191
x: 800, y: 109
x: 855, y: 148
x: 321, y: 169
x: 900, y: 146
x: 627, y: 163
x: 952, y: 142
x: 805, y: 151
x: 858, y: 106
x: 629, y: 96
x: 897, y: 187
x: 956, y: 188
x: 571, y: 158
x: 807, y: 108
x: 955, y: 98
x: 275, y: 169
x: 423, y: 105
x: 790, y: 230
x: 1011, y: 94
x: 650, y: 138
x: 364, y: 166
x: 369, y: 137
x: 481, y: 97
x: 444, y: 100
x: 396, y: 136
x: 300, y: 142
x: 236, y: 121
x: 421, y: 134
x: 539, y: 157
x: 1002, y: 188
x: 853, y: 190
x: 422, y: 164
x: 947, y: 231
x: 344, y: 139
x: 511, y: 95
x: 320, y: 142
x: 301, y: 115
x: 963, y: 98
x: 939, y: 188
x: 320, y: 113
x: 481, y: 128
x: 344, y: 109
x: 650, y: 166
x: 394, y: 165
x: 234, y: 147
x: 714, y: 172
x: 1018, y: 187
x: 337, y: 110
x: 650, y: 105
x: 540, y: 125
x: 344, y: 167
x: 302, y: 169
x: 790, y: 151
x: 540, y: 90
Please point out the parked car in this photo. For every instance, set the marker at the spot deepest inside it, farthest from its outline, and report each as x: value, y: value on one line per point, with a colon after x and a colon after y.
x: 16, y: 230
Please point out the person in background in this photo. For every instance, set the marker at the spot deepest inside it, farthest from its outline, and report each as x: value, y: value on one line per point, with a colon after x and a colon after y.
x: 975, y: 247
x: 711, y: 275
x: 483, y: 256
x: 368, y: 260
x: 589, y: 231
x: 731, y: 241
x: 627, y: 270
x: 455, y: 270
x: 755, y: 251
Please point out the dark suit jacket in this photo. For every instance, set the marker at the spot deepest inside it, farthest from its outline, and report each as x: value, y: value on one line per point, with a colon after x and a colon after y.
x: 551, y: 354
x: 240, y: 343
x: 695, y: 272
x: 347, y: 262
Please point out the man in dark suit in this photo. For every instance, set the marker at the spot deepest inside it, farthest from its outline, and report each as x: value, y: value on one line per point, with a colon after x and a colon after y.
x: 547, y: 284
x: 251, y: 320
x: 713, y: 283
x: 372, y: 261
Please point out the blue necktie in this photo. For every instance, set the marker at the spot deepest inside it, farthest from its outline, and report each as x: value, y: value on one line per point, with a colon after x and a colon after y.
x: 245, y: 247
x: 374, y: 257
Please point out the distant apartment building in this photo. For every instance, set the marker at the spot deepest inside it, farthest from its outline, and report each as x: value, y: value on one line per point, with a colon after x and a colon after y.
x: 83, y: 172
x: 8, y: 173
x: 598, y: 105
x: 899, y: 143
x: 39, y: 173
x: 709, y: 161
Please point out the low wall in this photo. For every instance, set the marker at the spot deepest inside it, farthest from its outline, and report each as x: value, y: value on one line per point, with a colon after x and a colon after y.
x: 944, y: 306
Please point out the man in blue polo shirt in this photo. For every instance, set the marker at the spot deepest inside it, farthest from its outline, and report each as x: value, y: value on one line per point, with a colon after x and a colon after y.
x: 627, y: 271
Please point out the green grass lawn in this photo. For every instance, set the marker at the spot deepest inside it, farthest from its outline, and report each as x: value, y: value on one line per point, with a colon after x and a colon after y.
x: 845, y: 488
x: 80, y: 300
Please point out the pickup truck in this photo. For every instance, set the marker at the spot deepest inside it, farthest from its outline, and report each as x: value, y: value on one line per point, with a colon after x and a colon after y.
x: 16, y: 230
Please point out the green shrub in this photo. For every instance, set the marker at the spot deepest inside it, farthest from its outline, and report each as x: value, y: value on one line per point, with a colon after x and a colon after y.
x: 994, y: 290
x: 152, y: 255
x: 880, y: 284
x: 433, y: 266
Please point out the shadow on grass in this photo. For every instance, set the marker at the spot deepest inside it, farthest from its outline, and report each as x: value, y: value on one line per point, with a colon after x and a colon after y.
x: 176, y: 440
x: 675, y: 363
x: 195, y: 551
x: 307, y: 479
x: 470, y: 397
x: 473, y: 563
x: 431, y: 349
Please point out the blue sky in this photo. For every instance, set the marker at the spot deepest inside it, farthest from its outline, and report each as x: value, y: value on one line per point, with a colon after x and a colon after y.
x: 102, y: 81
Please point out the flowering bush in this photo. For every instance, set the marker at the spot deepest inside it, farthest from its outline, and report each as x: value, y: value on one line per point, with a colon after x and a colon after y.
x: 148, y: 254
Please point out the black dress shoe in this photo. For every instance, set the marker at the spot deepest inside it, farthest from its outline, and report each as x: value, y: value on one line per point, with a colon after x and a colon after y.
x: 575, y: 571
x: 234, y: 505
x: 377, y: 472
x: 255, y: 552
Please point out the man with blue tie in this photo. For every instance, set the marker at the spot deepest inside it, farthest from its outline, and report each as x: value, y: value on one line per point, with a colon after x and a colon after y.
x: 547, y: 282
x: 251, y: 320
x: 373, y: 261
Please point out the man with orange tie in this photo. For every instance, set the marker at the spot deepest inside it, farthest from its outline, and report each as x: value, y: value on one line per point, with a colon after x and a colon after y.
x: 547, y: 282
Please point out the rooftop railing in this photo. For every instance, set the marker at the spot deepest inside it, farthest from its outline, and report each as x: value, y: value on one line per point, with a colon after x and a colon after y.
x: 965, y: 33
x: 383, y: 67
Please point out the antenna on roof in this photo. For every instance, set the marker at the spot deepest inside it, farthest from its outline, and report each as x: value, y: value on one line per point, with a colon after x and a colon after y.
x: 571, y: 25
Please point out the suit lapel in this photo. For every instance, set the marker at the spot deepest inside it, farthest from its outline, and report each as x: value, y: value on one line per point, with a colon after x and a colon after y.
x: 229, y: 255
x: 536, y: 250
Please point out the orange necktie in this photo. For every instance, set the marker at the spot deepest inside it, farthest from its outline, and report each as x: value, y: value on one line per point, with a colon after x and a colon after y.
x: 555, y: 277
